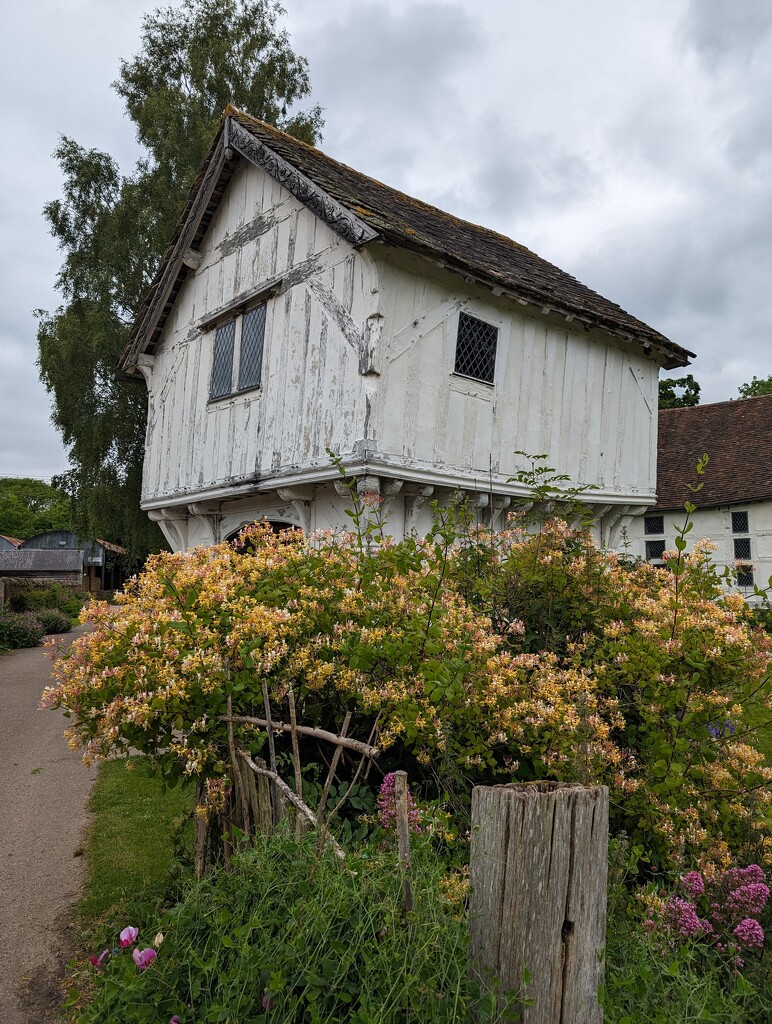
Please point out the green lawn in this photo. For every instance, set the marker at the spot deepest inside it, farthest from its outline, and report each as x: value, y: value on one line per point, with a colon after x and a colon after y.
x: 130, y: 844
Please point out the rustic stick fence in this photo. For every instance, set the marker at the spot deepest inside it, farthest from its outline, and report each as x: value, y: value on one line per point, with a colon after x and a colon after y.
x: 538, y: 873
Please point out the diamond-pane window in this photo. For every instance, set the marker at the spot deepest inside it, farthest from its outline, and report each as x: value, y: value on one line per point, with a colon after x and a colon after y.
x: 654, y: 550
x: 745, y: 576
x: 476, y: 348
x: 742, y: 548
x: 222, y: 365
x: 251, y: 358
x: 739, y: 522
x: 237, y: 364
x: 654, y: 524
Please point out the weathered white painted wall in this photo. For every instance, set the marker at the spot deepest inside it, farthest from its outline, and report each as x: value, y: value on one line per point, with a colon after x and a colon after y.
x: 312, y: 394
x: 716, y: 525
x: 358, y: 357
x: 582, y: 400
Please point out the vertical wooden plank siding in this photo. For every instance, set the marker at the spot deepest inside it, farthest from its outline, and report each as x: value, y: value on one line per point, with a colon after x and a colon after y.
x: 312, y: 395
x: 579, y: 399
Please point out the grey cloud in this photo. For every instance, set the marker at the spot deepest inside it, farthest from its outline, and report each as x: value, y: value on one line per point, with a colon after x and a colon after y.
x: 726, y: 31
x: 385, y: 77
x: 532, y: 170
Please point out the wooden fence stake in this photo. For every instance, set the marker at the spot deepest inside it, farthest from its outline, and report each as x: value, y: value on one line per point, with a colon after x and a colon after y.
x: 403, y: 838
x: 538, y: 869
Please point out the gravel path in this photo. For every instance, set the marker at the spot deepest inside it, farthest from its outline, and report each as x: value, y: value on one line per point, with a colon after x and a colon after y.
x: 44, y: 788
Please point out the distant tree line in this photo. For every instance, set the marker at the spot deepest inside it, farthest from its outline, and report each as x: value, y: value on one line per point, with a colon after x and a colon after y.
x: 29, y: 506
x: 682, y: 392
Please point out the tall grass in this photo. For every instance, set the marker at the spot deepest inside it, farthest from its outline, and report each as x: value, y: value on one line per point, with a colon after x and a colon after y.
x: 292, y: 936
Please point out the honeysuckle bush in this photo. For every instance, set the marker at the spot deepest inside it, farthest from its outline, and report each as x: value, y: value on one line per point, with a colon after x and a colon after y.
x: 689, y: 670
x: 386, y: 635
x: 466, y: 657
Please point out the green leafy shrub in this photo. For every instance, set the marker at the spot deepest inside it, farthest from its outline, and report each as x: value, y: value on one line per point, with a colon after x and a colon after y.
x: 53, y: 621
x: 648, y: 982
x: 54, y: 596
x: 20, y: 629
x: 292, y: 937
x: 469, y: 658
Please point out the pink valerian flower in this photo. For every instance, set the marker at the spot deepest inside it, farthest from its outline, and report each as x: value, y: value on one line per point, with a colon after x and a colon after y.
x: 128, y: 937
x: 387, y: 806
x: 747, y: 899
x: 749, y: 933
x: 694, y: 884
x: 96, y: 961
x: 143, y: 958
x: 681, y: 918
x: 175, y: 1020
x: 735, y: 877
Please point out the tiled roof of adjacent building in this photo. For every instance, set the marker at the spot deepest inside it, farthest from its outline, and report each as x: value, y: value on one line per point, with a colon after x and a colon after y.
x: 737, y: 437
x: 374, y: 212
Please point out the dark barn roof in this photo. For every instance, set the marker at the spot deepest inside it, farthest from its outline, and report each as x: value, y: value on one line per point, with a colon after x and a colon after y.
x: 39, y: 561
x: 364, y: 211
x: 737, y: 437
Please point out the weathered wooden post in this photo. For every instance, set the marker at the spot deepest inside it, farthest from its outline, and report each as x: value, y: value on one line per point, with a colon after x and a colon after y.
x: 538, y: 903
x: 403, y: 838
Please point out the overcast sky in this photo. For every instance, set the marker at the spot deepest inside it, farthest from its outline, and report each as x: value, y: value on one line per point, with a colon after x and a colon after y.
x: 629, y: 143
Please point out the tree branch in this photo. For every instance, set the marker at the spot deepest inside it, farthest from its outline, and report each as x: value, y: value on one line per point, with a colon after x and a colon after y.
x: 307, y: 730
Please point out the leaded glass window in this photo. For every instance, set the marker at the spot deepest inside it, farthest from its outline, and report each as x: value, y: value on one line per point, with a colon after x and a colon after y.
x: 739, y: 522
x: 251, y: 357
x: 237, y: 363
x: 476, y: 348
x: 222, y: 364
x: 654, y: 524
x: 655, y: 550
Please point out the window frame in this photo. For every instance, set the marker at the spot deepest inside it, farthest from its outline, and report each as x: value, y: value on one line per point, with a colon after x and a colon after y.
x: 743, y: 564
x: 466, y: 319
x: 657, y: 559
x: 654, y: 538
x: 235, y: 324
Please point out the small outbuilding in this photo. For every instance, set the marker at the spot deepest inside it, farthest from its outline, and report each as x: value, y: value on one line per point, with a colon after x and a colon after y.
x: 103, y: 564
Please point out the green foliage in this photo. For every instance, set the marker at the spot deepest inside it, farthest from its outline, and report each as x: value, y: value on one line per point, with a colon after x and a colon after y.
x: 55, y: 596
x: 112, y: 230
x: 20, y: 629
x: 647, y: 983
x: 756, y: 387
x: 29, y: 507
x: 292, y: 937
x: 651, y: 980
x: 53, y: 621
x: 679, y: 392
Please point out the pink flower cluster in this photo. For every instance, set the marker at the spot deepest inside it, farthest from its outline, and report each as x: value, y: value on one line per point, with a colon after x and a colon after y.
x: 729, y: 902
x: 387, y: 806
x: 143, y: 958
x: 681, y: 919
